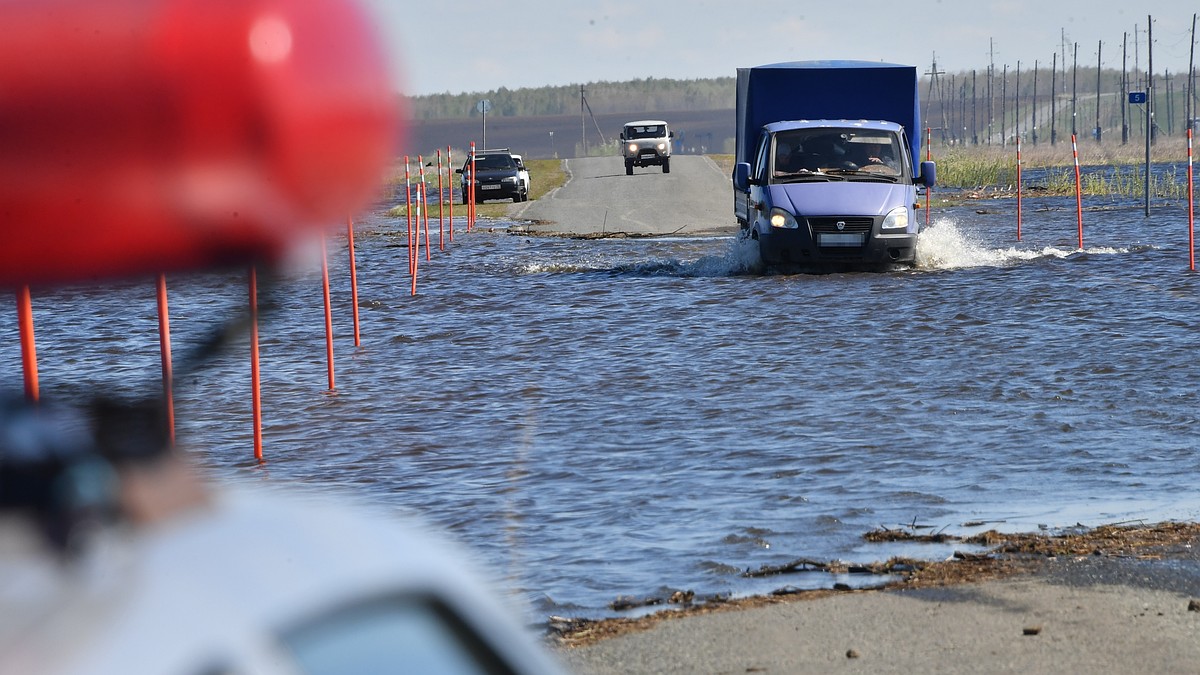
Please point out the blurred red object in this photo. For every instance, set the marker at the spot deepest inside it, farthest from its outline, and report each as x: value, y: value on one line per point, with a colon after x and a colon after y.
x: 141, y: 136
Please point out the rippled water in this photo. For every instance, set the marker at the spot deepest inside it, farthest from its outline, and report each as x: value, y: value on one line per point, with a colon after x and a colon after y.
x: 629, y: 417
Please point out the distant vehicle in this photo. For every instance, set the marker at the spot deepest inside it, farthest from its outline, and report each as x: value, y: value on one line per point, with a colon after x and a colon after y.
x: 499, y: 176
x: 646, y: 143
x: 523, y: 174
x: 827, y: 163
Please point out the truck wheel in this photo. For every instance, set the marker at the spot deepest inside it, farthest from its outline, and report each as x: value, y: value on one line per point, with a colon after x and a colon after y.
x: 667, y: 165
x: 628, y: 168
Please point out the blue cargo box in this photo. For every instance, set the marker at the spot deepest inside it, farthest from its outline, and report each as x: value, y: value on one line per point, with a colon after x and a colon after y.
x: 832, y: 90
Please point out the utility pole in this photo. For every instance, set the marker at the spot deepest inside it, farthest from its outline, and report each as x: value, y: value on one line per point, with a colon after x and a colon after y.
x: 1054, y: 99
x: 582, y: 122
x: 1017, y: 101
x: 1074, y: 91
x: 1004, y: 108
x: 933, y: 73
x: 1063, y: 41
x: 962, y: 109
x: 1124, y: 91
x: 991, y: 108
x: 1149, y: 104
x: 1150, y: 121
x: 1191, y: 80
x: 1033, y: 122
x: 974, y: 106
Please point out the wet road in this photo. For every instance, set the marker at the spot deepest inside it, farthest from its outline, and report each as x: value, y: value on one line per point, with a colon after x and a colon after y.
x: 695, y: 198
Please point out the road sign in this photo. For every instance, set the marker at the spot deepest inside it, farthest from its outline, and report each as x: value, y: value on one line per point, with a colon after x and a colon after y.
x: 484, y: 106
x: 1137, y: 97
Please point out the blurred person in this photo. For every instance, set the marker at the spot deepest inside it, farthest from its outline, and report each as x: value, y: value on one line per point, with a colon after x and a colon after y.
x: 151, y: 136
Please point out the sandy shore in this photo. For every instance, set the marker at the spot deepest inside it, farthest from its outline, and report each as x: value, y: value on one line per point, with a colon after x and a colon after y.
x: 1101, y: 612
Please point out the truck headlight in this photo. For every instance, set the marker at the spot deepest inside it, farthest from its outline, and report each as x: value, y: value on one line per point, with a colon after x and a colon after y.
x: 662, y: 146
x: 783, y: 219
x: 897, y: 219
x: 633, y: 147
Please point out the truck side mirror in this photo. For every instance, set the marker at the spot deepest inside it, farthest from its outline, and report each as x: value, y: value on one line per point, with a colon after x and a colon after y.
x: 741, y: 176
x: 928, y: 173
x: 671, y: 135
x: 458, y: 171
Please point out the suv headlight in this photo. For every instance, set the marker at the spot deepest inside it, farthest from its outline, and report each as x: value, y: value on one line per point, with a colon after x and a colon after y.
x: 783, y: 219
x: 897, y: 219
x: 633, y: 147
x: 662, y: 146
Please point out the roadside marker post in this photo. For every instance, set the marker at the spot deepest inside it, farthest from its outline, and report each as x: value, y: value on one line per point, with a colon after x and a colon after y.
x: 441, y: 204
x: 1191, y: 209
x: 164, y: 349
x: 1078, y: 191
x: 1018, y: 188
x: 28, y: 347
x: 353, y: 277
x: 449, y: 168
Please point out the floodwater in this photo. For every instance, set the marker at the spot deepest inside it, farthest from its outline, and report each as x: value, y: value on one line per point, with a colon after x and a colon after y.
x: 608, y: 418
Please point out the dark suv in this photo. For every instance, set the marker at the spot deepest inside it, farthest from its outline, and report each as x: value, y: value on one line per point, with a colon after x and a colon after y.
x: 498, y: 176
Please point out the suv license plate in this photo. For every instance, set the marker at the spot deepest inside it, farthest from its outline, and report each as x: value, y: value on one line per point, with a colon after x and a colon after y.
x: 489, y: 187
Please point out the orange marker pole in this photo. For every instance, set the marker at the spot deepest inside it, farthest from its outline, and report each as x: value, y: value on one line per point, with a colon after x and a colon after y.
x: 164, y: 348
x: 1078, y: 190
x: 1191, y: 210
x: 449, y: 168
x: 328, y: 313
x: 423, y: 196
x: 441, y: 206
x: 415, y: 244
x: 255, y: 379
x: 1018, y: 188
x: 412, y: 262
x: 353, y: 277
x: 474, y: 206
x: 28, y: 348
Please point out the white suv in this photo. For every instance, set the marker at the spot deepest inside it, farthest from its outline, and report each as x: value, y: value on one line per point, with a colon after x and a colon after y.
x: 646, y: 143
x: 522, y: 174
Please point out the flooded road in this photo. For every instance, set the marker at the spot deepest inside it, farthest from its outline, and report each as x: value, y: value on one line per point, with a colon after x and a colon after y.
x: 608, y: 418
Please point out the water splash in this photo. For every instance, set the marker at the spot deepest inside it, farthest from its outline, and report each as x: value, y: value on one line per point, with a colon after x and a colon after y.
x: 945, y: 246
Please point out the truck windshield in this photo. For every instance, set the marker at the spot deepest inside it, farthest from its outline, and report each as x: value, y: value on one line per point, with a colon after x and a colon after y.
x: 849, y: 154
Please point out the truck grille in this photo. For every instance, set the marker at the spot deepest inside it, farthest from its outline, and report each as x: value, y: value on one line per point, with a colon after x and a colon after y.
x: 851, y: 224
x: 849, y: 239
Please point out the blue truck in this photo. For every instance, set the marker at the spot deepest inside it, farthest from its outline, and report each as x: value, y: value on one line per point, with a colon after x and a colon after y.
x: 828, y: 163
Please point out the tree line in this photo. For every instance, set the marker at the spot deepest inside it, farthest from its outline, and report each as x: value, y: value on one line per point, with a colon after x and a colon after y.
x: 642, y: 95
x: 993, y: 105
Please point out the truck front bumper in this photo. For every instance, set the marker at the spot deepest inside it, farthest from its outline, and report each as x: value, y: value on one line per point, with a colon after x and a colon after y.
x: 784, y: 248
x: 645, y: 157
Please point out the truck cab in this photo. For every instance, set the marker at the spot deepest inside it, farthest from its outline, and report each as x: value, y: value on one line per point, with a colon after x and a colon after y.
x: 830, y: 192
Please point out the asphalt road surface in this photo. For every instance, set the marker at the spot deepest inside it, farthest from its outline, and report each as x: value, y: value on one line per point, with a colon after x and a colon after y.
x: 696, y: 198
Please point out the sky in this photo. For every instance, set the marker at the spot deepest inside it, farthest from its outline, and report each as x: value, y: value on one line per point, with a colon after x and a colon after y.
x: 461, y: 46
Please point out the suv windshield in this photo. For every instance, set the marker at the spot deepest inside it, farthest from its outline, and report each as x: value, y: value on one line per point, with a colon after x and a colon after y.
x: 654, y: 131
x: 494, y: 162
x: 870, y: 154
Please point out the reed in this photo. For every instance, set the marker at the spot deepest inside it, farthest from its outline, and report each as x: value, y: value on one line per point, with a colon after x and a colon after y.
x: 1109, y: 170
